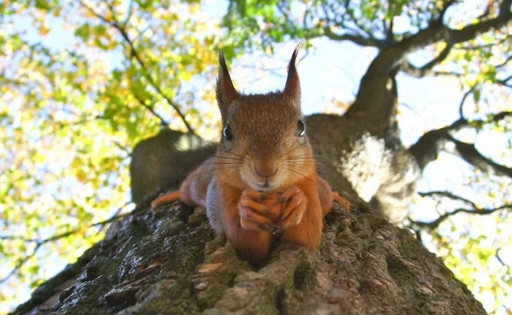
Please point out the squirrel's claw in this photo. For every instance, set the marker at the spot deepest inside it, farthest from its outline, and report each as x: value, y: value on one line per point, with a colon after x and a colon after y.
x: 247, y: 202
x: 252, y: 220
x: 295, y: 206
x: 258, y: 211
x: 290, y: 192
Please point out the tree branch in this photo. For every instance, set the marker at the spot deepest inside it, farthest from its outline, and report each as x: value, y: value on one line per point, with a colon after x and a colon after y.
x: 461, y: 106
x: 356, y: 39
x: 434, y: 224
x: 501, y: 65
x: 163, y: 123
x: 474, y: 209
x: 426, y: 69
x: 470, y: 154
x: 447, y: 73
x: 373, y: 97
x: 471, y: 31
x: 439, y: 32
x: 478, y: 47
x: 40, y: 242
x: 354, y: 20
x: 134, y: 54
x: 448, y: 195
x: 427, y: 148
x: 388, y: 30
x: 504, y: 82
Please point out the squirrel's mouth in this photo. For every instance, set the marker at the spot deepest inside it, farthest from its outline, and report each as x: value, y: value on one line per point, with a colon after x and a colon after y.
x: 258, y: 183
x: 264, y: 185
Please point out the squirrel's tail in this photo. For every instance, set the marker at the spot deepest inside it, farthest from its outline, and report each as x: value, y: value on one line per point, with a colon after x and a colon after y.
x: 167, y: 198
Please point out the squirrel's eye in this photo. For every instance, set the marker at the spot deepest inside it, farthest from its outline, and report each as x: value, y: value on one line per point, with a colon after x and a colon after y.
x: 301, y: 128
x: 226, y: 132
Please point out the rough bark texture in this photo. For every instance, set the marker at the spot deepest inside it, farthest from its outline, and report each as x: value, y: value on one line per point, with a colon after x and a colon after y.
x: 170, y: 262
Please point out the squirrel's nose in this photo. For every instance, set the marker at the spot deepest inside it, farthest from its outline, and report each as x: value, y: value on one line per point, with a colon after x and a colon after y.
x: 266, y: 170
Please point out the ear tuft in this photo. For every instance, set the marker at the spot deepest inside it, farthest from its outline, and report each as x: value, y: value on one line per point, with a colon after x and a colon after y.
x: 226, y: 92
x: 292, y: 87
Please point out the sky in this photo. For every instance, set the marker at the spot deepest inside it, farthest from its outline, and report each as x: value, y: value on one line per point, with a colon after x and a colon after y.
x: 332, y: 71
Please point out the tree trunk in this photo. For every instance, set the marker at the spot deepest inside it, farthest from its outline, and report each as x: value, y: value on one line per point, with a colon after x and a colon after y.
x: 170, y: 262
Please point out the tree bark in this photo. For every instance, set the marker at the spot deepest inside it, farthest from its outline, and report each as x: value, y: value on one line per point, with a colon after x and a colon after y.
x: 170, y: 262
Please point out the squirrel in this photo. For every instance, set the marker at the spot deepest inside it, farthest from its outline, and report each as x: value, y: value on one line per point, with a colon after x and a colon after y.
x: 263, y: 175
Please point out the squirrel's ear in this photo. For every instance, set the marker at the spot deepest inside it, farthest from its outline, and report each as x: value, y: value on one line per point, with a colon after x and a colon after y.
x: 226, y: 92
x: 292, y: 87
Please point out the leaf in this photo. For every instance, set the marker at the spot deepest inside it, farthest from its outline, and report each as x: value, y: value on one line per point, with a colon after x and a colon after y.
x: 83, y: 32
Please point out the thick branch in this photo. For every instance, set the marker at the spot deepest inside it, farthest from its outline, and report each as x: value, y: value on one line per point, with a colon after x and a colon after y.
x: 427, y: 148
x: 471, y: 31
x: 439, y: 32
x: 470, y: 154
x: 374, y: 85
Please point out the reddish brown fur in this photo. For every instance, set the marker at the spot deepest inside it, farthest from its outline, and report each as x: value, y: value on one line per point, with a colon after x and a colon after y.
x: 252, y: 245
x: 264, y: 128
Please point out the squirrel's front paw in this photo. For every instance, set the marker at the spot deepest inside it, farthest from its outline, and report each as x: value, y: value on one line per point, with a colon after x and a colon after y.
x: 295, y: 203
x: 258, y: 211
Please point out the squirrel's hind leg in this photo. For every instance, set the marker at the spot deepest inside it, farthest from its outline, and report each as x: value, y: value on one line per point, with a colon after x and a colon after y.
x: 193, y: 189
x: 344, y: 202
x: 327, y: 196
x: 167, y: 198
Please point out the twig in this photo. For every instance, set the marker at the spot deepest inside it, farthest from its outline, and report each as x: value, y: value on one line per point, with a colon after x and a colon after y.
x: 163, y: 123
x: 448, y: 195
x: 40, y: 242
x: 461, y: 105
x: 427, y: 68
x: 434, y: 224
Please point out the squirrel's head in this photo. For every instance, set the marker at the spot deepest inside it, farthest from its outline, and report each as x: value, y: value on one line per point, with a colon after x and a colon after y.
x: 264, y: 144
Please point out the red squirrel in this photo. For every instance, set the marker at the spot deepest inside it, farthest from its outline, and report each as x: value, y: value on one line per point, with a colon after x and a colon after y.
x: 263, y: 174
